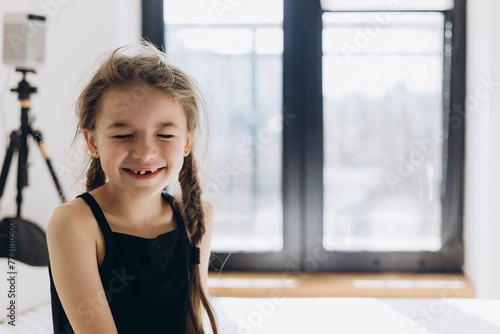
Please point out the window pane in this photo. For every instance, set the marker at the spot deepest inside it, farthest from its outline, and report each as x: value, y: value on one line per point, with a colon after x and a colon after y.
x: 383, y: 129
x: 237, y: 58
x: 338, y: 5
x: 223, y: 12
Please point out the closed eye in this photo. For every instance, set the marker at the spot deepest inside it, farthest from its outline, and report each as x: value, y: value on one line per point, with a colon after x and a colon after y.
x: 166, y: 136
x: 122, y: 136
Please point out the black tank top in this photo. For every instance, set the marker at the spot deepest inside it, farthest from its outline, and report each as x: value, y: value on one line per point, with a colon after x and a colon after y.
x: 145, y: 280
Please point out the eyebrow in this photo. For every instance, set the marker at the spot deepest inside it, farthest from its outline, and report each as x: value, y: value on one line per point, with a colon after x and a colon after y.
x: 159, y: 125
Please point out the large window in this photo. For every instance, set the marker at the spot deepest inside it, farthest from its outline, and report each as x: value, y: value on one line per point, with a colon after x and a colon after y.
x: 330, y: 142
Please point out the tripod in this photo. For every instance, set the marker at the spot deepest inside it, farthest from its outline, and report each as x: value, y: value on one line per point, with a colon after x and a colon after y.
x: 18, y: 142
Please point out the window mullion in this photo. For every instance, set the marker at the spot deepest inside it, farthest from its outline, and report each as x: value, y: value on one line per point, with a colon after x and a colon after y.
x: 153, y: 27
x: 452, y: 226
x: 303, y: 107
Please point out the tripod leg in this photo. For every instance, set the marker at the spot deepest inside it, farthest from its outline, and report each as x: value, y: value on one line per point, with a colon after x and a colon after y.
x: 8, y: 160
x: 22, y: 166
x: 39, y: 139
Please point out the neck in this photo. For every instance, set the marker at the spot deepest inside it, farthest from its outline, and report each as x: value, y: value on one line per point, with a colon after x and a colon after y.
x: 138, y: 208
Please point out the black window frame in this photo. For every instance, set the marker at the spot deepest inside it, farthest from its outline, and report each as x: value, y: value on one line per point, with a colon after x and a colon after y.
x: 303, y: 156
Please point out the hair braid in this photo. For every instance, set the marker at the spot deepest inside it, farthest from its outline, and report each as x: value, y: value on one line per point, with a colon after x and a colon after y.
x: 192, y: 209
x: 95, y: 175
x: 191, y: 200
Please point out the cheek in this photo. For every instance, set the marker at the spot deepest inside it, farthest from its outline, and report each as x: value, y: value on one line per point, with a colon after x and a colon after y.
x: 174, y: 150
x: 175, y: 154
x: 111, y: 156
x: 107, y: 164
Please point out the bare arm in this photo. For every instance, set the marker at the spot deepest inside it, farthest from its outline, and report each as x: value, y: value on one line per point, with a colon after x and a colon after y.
x: 72, y: 251
x: 205, y: 251
x: 206, y: 244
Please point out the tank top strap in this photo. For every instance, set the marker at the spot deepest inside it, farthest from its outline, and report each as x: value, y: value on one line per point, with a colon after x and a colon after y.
x: 177, y: 214
x: 193, y: 253
x: 98, y: 214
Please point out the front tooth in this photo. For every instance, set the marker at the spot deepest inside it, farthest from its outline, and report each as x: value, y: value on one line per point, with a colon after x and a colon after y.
x: 142, y: 172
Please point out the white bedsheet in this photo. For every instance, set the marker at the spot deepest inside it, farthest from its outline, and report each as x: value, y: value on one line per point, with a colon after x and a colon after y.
x: 327, y: 315
x: 361, y: 315
x: 34, y: 321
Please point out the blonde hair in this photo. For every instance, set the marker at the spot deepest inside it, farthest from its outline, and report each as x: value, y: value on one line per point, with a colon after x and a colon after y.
x: 147, y: 67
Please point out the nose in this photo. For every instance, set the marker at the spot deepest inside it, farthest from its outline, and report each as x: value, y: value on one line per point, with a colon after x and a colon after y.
x: 144, y: 149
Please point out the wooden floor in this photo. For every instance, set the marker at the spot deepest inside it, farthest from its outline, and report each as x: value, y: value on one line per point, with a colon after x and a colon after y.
x: 376, y: 285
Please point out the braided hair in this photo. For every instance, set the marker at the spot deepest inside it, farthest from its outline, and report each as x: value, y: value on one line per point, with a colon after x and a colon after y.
x: 192, y: 208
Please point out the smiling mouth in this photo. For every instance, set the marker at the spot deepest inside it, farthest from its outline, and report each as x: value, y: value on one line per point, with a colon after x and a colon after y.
x: 143, y: 172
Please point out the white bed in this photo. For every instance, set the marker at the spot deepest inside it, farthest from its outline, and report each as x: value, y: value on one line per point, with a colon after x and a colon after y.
x: 37, y: 320
x: 362, y: 315
x: 327, y: 315
x: 32, y: 298
x: 284, y: 315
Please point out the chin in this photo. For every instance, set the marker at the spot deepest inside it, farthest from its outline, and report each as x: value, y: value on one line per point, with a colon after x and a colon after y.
x: 147, y: 193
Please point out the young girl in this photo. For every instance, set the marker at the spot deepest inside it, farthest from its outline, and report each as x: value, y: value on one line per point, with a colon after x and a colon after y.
x: 125, y: 255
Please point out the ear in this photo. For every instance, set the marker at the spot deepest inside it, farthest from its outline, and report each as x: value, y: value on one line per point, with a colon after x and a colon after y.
x: 188, y: 144
x: 91, y: 141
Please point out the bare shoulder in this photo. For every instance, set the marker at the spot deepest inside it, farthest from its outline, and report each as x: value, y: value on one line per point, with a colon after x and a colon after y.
x: 69, y: 217
x: 75, y: 206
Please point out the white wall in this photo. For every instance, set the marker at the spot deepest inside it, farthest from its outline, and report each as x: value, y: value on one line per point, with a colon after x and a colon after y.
x: 482, y: 191
x: 77, y: 32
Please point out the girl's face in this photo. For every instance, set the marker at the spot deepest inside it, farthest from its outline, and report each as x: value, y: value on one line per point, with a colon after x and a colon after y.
x: 141, y: 137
